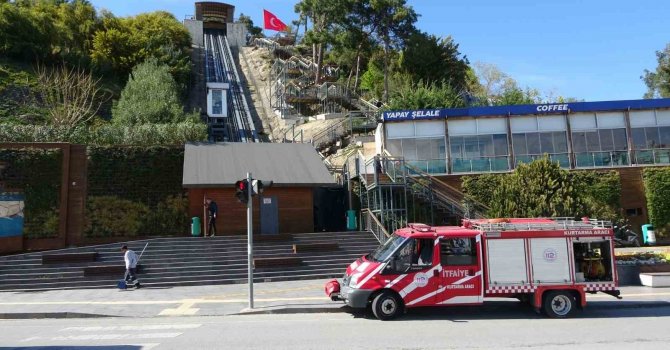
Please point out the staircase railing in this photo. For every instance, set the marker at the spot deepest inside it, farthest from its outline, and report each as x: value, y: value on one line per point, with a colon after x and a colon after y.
x: 294, y: 137
x: 335, y: 131
x: 372, y: 224
x: 446, y: 194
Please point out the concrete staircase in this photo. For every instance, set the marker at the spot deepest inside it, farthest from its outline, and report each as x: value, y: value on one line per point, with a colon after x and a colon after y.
x: 189, y: 261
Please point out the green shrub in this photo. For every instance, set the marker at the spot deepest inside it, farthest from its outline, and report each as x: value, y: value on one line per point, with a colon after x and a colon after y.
x: 151, y: 96
x: 111, y: 216
x: 169, y: 217
x: 151, y: 176
x: 107, y: 134
x: 657, y: 191
x: 542, y: 188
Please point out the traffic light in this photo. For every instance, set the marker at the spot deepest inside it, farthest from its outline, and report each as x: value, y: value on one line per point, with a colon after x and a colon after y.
x: 242, y: 191
x: 258, y: 185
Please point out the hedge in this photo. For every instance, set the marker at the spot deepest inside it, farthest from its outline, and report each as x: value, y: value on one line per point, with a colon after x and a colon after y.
x: 657, y: 192
x: 107, y: 134
x: 143, y: 183
x: 542, y: 188
x: 38, y: 174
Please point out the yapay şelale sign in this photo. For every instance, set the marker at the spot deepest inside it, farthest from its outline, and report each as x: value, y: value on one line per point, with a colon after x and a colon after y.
x: 423, y: 114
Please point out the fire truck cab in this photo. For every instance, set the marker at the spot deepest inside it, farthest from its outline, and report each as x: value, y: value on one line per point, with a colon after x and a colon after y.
x: 551, y: 263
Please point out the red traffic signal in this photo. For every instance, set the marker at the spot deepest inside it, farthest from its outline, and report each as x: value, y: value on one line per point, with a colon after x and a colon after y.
x: 242, y: 191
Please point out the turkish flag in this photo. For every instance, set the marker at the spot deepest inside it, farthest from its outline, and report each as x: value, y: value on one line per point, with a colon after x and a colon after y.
x: 272, y: 22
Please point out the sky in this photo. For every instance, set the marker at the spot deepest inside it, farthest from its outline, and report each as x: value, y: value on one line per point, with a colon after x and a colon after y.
x: 595, y: 50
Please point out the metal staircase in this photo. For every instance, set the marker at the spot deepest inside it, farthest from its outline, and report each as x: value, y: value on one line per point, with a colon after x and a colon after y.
x: 397, y: 193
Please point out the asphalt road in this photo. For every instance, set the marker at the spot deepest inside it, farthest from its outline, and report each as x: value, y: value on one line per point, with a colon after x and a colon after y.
x: 498, y: 325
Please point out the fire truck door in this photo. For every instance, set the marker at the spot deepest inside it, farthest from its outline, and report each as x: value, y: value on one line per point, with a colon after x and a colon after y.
x: 418, y: 272
x: 461, y: 277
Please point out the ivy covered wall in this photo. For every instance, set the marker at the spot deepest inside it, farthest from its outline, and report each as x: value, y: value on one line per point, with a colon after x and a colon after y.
x: 37, y: 174
x: 135, y: 191
x: 657, y: 191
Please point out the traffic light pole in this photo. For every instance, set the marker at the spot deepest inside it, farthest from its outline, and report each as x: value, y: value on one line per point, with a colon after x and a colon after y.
x: 250, y: 241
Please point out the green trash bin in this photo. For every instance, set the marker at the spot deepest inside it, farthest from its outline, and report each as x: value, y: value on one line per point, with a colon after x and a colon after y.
x: 648, y: 234
x: 195, y: 226
x: 352, y: 224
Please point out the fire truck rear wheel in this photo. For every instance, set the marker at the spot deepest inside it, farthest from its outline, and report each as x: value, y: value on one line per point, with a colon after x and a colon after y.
x: 387, y: 306
x: 559, y: 304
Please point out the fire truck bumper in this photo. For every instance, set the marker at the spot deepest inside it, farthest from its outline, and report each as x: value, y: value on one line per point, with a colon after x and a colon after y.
x: 355, y: 298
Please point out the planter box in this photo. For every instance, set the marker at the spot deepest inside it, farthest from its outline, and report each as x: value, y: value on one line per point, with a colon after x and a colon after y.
x: 655, y: 268
x: 655, y: 279
x: 629, y: 275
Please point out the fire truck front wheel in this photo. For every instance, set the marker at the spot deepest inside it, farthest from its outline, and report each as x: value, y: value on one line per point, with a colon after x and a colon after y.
x: 387, y: 306
x: 559, y: 304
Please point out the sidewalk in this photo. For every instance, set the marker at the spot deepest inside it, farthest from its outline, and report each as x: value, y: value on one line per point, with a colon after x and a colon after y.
x: 222, y: 300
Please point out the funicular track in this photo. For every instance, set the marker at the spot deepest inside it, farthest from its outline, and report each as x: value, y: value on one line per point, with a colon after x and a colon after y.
x: 220, y: 67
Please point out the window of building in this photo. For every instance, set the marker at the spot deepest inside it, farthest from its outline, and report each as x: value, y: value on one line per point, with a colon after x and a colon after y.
x: 421, y: 143
x: 651, y: 145
x: 596, y: 148
x: 478, y: 145
x: 650, y: 133
x: 634, y: 212
x: 533, y: 145
x: 217, y: 102
x: 479, y: 153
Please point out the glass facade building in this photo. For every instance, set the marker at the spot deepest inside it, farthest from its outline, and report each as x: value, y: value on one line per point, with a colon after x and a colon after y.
x: 497, y: 139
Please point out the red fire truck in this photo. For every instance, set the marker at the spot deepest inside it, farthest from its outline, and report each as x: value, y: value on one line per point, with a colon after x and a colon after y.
x: 551, y: 263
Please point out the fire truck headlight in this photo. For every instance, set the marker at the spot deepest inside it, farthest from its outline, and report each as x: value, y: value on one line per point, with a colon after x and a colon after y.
x: 353, y: 281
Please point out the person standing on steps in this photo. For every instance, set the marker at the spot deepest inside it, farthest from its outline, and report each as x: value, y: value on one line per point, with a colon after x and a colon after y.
x: 212, y: 213
x: 131, y: 266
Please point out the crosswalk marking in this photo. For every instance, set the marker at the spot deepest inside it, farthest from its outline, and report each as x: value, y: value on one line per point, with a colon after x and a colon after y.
x: 118, y: 336
x: 130, y: 335
x: 184, y: 309
x: 138, y: 328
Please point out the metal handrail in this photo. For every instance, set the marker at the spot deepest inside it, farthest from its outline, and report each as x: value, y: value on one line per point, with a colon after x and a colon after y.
x: 556, y: 224
x: 452, y: 196
x: 375, y: 226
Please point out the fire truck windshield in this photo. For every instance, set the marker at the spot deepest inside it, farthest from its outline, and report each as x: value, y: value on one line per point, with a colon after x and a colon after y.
x: 384, y: 251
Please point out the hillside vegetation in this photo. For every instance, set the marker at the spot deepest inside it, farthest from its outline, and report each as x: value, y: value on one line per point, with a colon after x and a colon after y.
x: 382, y: 54
x: 47, y: 42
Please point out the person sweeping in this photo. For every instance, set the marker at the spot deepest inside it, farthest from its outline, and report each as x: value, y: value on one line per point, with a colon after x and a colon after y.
x: 131, y: 266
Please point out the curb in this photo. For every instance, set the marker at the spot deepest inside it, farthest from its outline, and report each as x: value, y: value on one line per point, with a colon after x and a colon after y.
x: 627, y: 304
x: 296, y: 310
x: 48, y: 315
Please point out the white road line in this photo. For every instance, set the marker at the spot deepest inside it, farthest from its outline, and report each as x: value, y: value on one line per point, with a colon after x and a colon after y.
x: 138, y: 328
x: 118, y: 336
x: 160, y: 302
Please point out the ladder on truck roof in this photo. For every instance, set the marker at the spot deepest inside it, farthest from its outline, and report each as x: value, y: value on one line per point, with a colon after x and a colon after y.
x: 554, y: 224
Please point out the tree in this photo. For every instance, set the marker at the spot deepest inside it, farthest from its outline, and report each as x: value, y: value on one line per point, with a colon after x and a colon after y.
x: 71, y: 96
x: 47, y: 30
x: 253, y: 30
x: 373, y: 80
x: 391, y: 23
x: 150, y: 96
x: 658, y: 81
x: 123, y: 43
x: 538, y: 189
x: 326, y: 16
x: 432, y: 59
x: 491, y: 79
x: 496, y: 88
x: 21, y: 36
x: 425, y: 96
